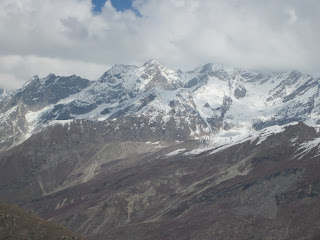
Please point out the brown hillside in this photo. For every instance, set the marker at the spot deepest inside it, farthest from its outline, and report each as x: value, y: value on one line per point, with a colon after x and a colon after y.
x: 16, y: 224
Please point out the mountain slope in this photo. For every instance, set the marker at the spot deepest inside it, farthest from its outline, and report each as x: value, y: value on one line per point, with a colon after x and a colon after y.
x: 264, y: 186
x: 18, y: 224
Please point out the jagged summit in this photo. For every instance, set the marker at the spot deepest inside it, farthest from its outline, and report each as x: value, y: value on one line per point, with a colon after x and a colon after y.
x: 115, y: 70
x: 152, y: 62
x: 198, y: 102
x: 33, y: 79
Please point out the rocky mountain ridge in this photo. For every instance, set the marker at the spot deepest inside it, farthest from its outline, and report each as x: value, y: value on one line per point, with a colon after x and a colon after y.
x: 189, y: 104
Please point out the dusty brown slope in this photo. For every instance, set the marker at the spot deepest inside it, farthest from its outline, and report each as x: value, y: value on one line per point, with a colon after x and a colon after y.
x: 247, y: 191
x: 269, y: 190
x: 17, y: 224
x: 61, y: 156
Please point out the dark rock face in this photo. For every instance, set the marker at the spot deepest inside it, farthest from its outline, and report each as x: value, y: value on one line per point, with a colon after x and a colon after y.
x: 310, y: 83
x: 216, y: 122
x: 13, y: 127
x: 240, y: 92
x: 42, y: 92
x: 294, y: 79
x: 294, y: 112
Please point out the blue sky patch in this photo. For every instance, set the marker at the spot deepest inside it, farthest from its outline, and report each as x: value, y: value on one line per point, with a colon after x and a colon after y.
x: 119, y: 5
x: 98, y: 4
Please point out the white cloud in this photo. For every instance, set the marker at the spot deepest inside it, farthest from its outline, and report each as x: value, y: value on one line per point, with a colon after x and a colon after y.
x: 292, y: 15
x: 15, y: 69
x: 66, y: 37
x: 8, y: 81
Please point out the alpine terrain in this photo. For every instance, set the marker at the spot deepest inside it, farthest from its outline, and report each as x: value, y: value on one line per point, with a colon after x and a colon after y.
x: 153, y: 153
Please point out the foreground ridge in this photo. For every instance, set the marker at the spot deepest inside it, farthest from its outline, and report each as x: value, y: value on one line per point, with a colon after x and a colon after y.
x: 18, y: 224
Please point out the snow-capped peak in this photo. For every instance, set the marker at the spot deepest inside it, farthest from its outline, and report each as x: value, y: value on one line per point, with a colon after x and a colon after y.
x: 153, y: 62
x: 209, y: 98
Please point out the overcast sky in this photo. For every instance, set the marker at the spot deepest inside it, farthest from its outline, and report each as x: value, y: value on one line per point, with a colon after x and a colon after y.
x: 68, y: 37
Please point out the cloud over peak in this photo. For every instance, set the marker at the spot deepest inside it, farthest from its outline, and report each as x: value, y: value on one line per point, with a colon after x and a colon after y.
x: 42, y: 36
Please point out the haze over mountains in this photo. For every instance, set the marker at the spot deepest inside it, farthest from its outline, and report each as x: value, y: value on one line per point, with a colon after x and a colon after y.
x: 153, y: 153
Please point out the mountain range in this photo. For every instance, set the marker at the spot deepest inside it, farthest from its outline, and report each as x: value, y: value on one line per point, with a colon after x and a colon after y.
x: 153, y: 153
